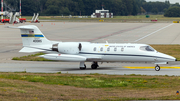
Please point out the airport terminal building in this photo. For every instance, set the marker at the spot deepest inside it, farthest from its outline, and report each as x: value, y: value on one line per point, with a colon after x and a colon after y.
x: 102, y: 14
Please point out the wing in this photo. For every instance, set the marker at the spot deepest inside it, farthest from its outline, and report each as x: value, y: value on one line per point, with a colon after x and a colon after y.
x: 93, y: 58
x: 69, y: 58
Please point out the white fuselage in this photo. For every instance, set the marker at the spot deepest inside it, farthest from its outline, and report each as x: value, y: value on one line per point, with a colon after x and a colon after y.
x: 124, y: 53
x: 104, y: 52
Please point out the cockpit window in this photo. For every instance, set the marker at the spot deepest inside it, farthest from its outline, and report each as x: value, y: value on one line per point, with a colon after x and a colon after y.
x: 147, y: 48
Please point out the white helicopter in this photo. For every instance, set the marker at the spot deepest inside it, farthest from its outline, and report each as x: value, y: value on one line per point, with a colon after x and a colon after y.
x: 34, y: 41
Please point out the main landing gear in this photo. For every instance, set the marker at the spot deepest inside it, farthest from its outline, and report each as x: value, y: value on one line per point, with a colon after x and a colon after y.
x: 93, y: 66
x: 82, y: 66
x: 157, y: 68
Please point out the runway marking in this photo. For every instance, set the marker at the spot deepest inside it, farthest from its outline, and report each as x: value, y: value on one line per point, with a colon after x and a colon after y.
x: 115, y: 33
x: 151, y: 67
x: 153, y: 32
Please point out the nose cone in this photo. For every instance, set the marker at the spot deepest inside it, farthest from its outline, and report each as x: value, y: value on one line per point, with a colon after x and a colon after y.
x: 166, y: 58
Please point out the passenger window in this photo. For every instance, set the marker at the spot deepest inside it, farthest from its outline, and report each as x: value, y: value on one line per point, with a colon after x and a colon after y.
x: 101, y: 49
x: 108, y: 49
x: 115, y: 49
x: 94, y: 48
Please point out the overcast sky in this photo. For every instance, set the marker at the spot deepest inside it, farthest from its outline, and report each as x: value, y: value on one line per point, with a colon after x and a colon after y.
x: 171, y: 1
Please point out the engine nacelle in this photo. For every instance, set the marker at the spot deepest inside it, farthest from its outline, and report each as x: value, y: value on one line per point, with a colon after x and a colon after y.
x: 67, y: 47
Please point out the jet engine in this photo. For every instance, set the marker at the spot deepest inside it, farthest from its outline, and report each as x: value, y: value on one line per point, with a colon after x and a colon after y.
x: 67, y: 47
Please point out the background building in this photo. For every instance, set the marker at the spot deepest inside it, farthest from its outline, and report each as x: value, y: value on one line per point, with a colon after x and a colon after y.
x: 102, y: 14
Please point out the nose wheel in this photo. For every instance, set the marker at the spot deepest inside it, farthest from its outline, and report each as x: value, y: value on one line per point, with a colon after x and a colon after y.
x: 157, y: 68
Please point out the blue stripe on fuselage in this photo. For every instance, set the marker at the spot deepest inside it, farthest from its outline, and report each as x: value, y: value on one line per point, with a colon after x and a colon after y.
x: 32, y: 35
x: 124, y: 55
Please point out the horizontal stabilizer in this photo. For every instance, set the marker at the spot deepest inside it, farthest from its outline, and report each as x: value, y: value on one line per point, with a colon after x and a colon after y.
x: 30, y: 50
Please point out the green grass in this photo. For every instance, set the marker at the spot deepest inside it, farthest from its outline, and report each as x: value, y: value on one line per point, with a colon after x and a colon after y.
x: 33, y: 57
x: 21, y: 91
x: 32, y: 86
x: 99, y: 81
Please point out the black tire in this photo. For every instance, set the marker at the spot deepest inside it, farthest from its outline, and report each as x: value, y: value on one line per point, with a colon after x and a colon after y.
x: 94, y: 66
x: 83, y: 68
x: 157, y: 68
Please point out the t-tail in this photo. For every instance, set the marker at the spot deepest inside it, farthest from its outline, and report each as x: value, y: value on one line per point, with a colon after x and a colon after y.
x: 33, y: 39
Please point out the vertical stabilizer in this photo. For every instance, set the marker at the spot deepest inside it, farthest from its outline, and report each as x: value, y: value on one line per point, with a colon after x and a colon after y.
x: 33, y: 39
x: 32, y: 36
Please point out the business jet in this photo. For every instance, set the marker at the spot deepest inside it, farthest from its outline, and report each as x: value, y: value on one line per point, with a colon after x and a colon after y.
x: 34, y: 41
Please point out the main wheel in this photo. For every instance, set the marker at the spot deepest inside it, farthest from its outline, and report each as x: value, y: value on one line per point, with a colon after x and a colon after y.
x: 157, y: 68
x: 94, y: 66
x: 82, y: 68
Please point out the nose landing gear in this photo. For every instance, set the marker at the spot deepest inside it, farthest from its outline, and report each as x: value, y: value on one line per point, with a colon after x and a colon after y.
x: 157, y: 68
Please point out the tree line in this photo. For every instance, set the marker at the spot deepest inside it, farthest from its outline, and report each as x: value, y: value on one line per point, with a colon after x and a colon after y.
x: 87, y: 7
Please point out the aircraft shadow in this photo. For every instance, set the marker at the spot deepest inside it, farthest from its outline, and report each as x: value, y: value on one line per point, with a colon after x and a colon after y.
x: 88, y: 69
